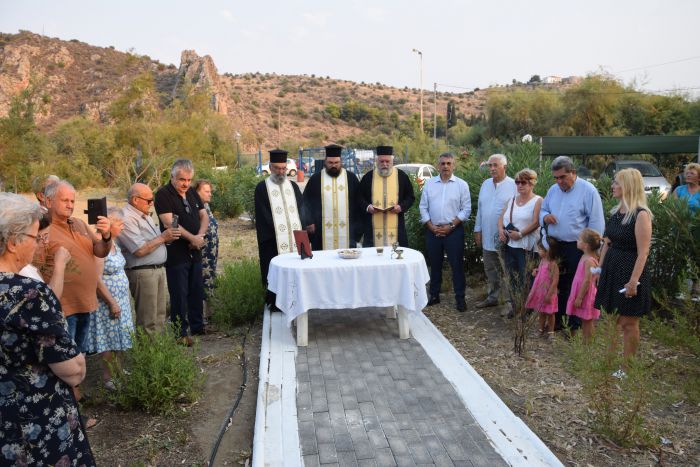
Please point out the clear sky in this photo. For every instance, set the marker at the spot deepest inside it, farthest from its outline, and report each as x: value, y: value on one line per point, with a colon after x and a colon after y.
x: 464, y: 43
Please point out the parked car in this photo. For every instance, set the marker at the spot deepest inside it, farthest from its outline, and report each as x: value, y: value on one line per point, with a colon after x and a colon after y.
x: 585, y: 173
x: 422, y: 172
x: 652, y: 176
x: 291, y: 168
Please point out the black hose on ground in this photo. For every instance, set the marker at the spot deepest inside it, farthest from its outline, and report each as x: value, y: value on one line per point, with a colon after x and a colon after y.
x: 229, y: 419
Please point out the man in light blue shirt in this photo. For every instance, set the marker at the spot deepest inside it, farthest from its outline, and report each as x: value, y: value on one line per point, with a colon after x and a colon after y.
x: 495, y: 192
x: 445, y: 205
x: 571, y: 205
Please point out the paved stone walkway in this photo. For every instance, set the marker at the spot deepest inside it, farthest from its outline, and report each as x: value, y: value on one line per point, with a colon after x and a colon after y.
x: 367, y: 398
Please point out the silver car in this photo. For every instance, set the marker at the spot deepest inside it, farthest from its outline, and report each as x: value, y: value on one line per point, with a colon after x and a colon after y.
x: 652, y: 176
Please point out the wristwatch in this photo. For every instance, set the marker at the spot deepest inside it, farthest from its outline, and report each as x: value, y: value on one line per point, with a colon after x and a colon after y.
x: 452, y: 226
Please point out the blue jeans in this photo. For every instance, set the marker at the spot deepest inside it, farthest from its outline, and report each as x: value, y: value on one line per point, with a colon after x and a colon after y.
x: 516, y: 260
x: 78, y: 329
x: 186, y: 287
x: 453, y: 245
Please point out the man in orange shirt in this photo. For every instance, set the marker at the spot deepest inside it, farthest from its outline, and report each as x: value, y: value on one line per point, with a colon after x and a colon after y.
x: 79, y: 297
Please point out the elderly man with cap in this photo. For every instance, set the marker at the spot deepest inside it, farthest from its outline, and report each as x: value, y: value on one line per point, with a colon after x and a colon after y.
x: 495, y: 192
x: 571, y: 205
x: 143, y: 247
x: 386, y: 194
x: 277, y: 215
x: 183, y: 268
x: 331, y: 205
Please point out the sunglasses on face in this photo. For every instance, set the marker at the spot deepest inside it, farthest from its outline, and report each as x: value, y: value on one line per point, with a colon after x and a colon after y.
x: 149, y: 201
x: 521, y: 182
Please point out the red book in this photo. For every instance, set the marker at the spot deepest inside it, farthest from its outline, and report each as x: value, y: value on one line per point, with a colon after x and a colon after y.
x: 301, y: 237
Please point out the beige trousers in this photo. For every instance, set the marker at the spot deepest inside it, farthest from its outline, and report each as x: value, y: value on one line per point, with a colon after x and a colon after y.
x: 150, y: 292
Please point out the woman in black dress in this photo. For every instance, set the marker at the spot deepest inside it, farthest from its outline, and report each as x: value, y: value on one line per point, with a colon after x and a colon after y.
x: 39, y: 361
x: 624, y: 286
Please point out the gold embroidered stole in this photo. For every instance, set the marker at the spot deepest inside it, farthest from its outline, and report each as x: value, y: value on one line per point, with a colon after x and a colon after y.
x: 334, y: 211
x: 385, y: 193
x: 285, y: 214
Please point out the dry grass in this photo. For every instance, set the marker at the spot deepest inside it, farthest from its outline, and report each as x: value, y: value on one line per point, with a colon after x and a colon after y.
x: 539, y: 389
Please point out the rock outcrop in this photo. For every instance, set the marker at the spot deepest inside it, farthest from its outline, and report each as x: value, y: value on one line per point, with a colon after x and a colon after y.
x: 201, y: 73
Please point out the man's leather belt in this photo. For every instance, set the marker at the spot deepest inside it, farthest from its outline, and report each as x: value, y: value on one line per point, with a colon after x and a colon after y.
x: 146, y: 266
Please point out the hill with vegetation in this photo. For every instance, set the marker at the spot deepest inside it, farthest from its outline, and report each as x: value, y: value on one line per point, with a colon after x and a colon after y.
x: 105, y: 117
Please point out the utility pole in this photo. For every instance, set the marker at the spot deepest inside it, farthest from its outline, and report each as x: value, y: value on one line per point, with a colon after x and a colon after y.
x: 435, y: 113
x: 420, y: 60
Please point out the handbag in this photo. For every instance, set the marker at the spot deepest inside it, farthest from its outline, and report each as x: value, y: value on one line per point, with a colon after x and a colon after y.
x: 510, y: 227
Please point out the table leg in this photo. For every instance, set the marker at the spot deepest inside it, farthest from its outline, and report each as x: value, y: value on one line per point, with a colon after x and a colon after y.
x: 391, y: 312
x: 302, y: 330
x: 404, y: 331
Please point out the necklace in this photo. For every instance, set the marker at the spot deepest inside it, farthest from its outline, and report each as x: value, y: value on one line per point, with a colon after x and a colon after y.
x: 522, y: 203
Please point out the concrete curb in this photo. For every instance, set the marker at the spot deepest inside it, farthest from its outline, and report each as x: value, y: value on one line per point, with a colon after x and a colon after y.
x: 509, y: 435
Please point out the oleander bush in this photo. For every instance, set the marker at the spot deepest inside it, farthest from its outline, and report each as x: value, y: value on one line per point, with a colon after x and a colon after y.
x: 239, y: 294
x: 161, y: 374
x: 234, y: 191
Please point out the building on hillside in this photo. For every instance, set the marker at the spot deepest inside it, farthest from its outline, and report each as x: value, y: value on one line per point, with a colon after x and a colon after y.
x: 552, y: 80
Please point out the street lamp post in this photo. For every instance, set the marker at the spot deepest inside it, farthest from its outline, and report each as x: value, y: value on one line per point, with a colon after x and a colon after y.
x: 420, y: 57
x: 435, y: 113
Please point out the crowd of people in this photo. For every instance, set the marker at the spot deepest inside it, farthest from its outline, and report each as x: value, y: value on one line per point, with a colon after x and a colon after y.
x: 66, y: 290
x: 585, y: 263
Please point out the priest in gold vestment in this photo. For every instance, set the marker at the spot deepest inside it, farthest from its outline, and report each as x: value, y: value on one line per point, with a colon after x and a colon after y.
x: 386, y: 194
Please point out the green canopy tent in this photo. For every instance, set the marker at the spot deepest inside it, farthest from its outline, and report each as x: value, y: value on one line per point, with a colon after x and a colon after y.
x: 584, y: 145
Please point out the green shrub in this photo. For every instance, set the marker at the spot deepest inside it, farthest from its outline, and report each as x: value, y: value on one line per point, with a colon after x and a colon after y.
x: 239, y: 294
x: 675, y: 246
x: 234, y: 191
x: 161, y: 374
x: 414, y: 229
x: 618, y: 407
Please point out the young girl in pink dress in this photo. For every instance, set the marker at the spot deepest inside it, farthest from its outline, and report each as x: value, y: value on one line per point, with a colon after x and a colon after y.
x: 584, y: 286
x: 543, y: 295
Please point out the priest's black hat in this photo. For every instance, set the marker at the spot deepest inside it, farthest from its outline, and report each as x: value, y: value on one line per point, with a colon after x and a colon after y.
x: 385, y: 151
x: 278, y: 155
x: 333, y: 150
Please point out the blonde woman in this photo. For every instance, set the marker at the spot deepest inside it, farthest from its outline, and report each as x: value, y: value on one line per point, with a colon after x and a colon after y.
x: 624, y: 287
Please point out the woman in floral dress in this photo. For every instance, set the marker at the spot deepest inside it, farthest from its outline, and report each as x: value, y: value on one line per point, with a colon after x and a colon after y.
x: 39, y: 362
x: 111, y: 325
x: 210, y: 251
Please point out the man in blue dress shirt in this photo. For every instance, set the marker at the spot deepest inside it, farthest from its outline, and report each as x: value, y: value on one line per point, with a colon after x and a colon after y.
x: 495, y: 192
x: 444, y: 207
x: 571, y: 205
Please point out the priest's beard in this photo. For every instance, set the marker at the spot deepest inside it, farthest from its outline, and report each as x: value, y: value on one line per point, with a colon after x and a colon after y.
x: 333, y: 171
x: 385, y: 172
x: 277, y: 179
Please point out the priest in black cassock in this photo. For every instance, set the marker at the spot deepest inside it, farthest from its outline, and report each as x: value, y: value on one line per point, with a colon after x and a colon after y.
x: 386, y: 194
x: 331, y: 205
x: 278, y: 204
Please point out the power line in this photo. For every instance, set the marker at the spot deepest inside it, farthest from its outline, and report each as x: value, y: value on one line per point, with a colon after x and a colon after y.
x: 659, y: 64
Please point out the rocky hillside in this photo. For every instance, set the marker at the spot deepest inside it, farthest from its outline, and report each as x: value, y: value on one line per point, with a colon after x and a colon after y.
x: 81, y: 79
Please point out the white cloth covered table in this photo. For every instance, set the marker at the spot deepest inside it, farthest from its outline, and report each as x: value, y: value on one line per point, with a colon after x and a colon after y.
x: 330, y: 282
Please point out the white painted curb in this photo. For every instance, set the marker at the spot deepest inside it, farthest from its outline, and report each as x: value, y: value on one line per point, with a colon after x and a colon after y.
x: 509, y: 435
x: 276, y: 436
